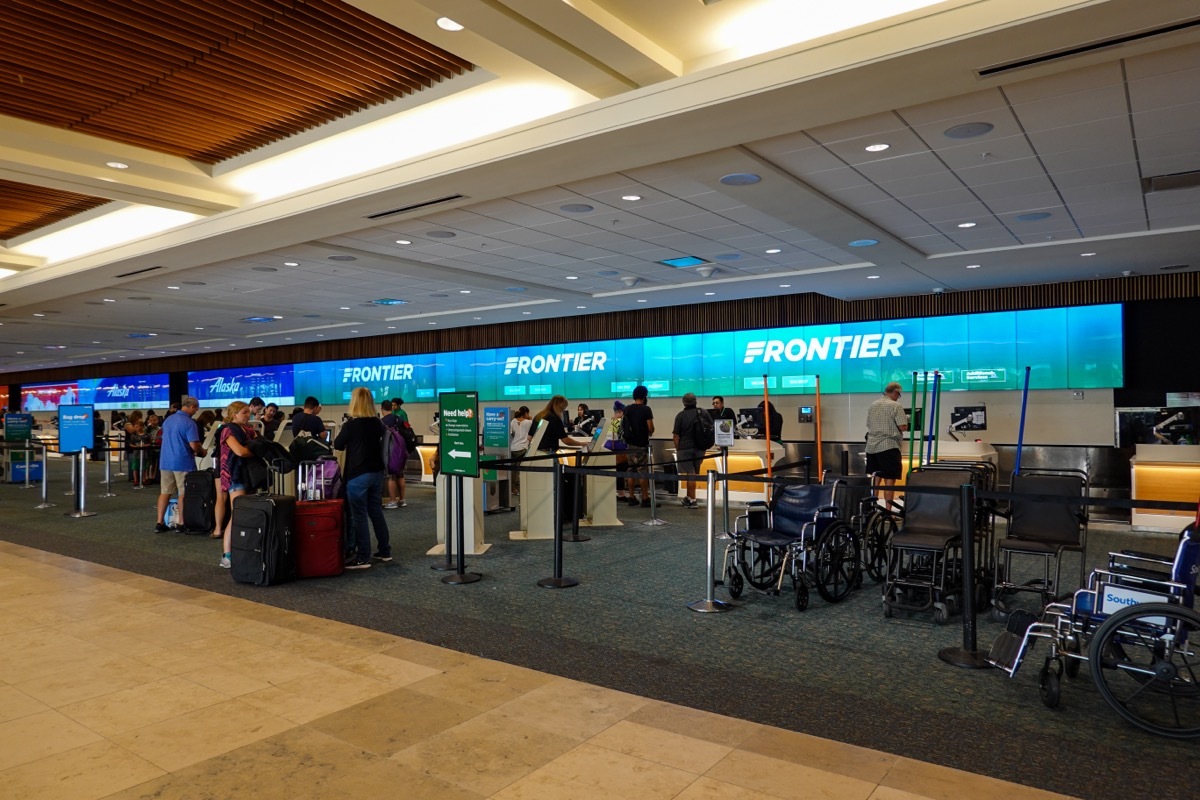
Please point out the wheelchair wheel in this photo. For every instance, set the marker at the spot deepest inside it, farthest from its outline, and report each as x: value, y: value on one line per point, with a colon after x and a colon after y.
x: 1145, y: 664
x: 837, y: 562
x: 760, y: 563
x: 733, y: 582
x: 1049, y: 683
x: 879, y: 529
x: 801, y: 596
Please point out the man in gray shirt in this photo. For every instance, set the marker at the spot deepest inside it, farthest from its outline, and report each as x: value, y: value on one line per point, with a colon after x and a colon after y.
x: 886, y: 425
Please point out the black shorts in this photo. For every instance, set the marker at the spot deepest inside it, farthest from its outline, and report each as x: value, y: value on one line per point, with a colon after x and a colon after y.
x: 887, y: 464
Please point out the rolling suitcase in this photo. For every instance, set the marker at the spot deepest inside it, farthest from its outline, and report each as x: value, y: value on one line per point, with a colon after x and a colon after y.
x: 264, y: 549
x: 199, y: 502
x: 319, y: 534
x: 319, y: 480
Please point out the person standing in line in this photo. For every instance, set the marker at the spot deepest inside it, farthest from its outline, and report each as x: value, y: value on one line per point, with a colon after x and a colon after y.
x: 235, y: 436
x: 688, y: 453
x: 719, y: 411
x: 271, y: 420
x: 616, y: 437
x: 394, y: 496
x: 401, y: 417
x: 99, y: 445
x: 638, y: 427
x: 518, y: 442
x: 309, y: 420
x: 886, y: 425
x: 180, y: 448
x: 361, y: 437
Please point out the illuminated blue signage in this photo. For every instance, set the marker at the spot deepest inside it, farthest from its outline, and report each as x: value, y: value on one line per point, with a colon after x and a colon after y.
x: 221, y: 387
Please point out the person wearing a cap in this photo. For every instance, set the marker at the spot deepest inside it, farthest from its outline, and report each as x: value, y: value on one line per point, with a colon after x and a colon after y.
x: 688, y: 452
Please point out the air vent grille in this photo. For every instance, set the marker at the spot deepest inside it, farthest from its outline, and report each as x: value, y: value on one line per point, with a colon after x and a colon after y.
x: 414, y: 207
x: 136, y: 272
x: 1167, y: 183
x: 1000, y: 69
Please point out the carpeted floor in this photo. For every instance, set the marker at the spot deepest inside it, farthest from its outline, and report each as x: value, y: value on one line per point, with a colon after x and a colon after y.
x: 837, y: 671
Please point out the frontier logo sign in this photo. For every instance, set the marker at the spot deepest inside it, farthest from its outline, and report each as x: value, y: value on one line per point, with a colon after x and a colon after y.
x: 387, y: 372
x: 871, y: 345
x: 592, y: 361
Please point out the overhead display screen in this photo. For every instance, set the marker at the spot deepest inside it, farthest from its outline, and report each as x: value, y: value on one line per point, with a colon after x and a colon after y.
x: 220, y: 387
x: 1066, y: 348
x: 134, y: 391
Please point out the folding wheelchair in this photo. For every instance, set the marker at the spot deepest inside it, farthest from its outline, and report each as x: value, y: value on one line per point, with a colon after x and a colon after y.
x: 798, y: 534
x: 1135, y: 627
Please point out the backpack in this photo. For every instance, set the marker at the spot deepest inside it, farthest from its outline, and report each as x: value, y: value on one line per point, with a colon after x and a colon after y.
x: 393, y: 448
x: 409, y: 436
x: 703, y: 430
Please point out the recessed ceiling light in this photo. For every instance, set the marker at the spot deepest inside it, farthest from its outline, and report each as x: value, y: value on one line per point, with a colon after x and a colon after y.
x: 476, y: 317
x: 391, y: 327
x: 785, y: 286
x: 709, y: 294
x: 527, y: 313
x: 403, y: 241
x: 441, y: 234
x: 433, y: 323
x: 116, y: 164
x: 276, y: 317
x: 576, y: 208
x: 973, y: 266
x: 740, y: 179
x: 172, y: 287
x: 259, y: 341
x: 516, y: 289
x: 38, y: 314
x: 199, y: 329
x: 966, y: 224
x: 968, y: 130
x: 344, y: 308
x: 872, y: 277
x: 354, y: 331
x: 572, y: 277
x: 1085, y: 255
x: 291, y: 263
x: 774, y: 250
x: 464, y: 291
x: 107, y: 300
x: 631, y: 197
x: 287, y: 338
x: 95, y: 342
x: 581, y: 306
x: 876, y: 148
x: 447, y: 24
x: 20, y: 352
x: 864, y: 243
x: 641, y: 301
x: 320, y: 336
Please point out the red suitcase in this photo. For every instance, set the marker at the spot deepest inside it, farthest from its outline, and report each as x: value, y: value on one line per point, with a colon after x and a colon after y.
x: 319, y: 534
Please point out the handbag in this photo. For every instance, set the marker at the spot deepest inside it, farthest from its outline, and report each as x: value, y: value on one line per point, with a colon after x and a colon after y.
x: 616, y: 442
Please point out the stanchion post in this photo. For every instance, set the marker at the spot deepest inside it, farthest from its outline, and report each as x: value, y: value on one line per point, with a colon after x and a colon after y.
x: 575, y: 490
x: 81, y: 500
x: 29, y: 464
x: 108, y: 492
x: 558, y: 581
x: 460, y: 576
x: 967, y: 656
x: 74, y: 478
x: 709, y: 604
x: 45, y: 484
x: 653, y: 492
x: 724, y: 489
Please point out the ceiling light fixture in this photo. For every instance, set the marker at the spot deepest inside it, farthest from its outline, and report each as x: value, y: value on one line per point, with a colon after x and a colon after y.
x: 116, y: 164
x: 464, y: 291
x: 576, y: 208
x: 872, y: 277
x: 403, y: 241
x: 876, y: 148
x: 107, y: 300
x: 864, y: 243
x: 633, y: 198
x: 641, y: 301
x: 973, y: 266
x: 740, y: 179
x: 581, y: 306
x: 773, y: 251
x: 785, y: 286
x: 968, y: 130
x: 172, y: 287
x: 572, y: 277
x: 447, y: 24
x: 1085, y: 255
x: 291, y: 263
x: 38, y: 314
x: 966, y: 224
x: 709, y: 294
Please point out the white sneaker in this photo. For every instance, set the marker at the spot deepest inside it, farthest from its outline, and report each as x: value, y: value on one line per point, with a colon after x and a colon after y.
x: 403, y: 504
x: 391, y: 505
x: 225, y: 562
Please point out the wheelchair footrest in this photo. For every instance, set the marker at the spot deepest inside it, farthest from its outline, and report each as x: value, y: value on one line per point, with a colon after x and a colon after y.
x: 1006, y: 651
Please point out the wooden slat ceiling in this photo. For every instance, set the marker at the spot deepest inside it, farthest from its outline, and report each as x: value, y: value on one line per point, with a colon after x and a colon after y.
x: 25, y: 208
x: 204, y: 79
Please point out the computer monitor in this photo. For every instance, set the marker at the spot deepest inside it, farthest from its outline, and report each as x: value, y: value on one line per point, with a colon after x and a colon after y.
x: 751, y: 419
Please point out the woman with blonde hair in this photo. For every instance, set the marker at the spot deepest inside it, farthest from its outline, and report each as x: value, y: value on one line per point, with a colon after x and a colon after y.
x: 556, y: 432
x: 362, y: 438
x: 232, y: 448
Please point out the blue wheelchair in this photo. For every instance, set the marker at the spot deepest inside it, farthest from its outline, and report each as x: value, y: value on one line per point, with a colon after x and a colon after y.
x: 1134, y: 625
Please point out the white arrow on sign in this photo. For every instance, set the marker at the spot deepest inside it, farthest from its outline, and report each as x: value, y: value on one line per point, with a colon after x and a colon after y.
x: 459, y: 454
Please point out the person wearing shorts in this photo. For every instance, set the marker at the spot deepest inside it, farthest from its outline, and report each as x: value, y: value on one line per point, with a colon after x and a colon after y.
x: 688, y: 453
x: 886, y: 425
x: 177, y: 457
x: 638, y: 426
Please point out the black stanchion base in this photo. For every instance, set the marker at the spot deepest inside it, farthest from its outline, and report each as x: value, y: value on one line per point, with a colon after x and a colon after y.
x: 558, y: 583
x: 710, y: 606
x: 442, y: 566
x: 80, y: 514
x: 576, y: 538
x: 462, y: 578
x: 967, y: 659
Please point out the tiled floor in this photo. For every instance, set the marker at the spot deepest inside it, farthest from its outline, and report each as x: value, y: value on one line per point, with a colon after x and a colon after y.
x: 116, y: 685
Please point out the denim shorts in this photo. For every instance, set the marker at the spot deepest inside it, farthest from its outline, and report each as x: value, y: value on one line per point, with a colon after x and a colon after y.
x: 236, y: 487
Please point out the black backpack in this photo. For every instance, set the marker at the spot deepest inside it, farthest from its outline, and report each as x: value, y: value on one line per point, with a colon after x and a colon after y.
x: 703, y: 430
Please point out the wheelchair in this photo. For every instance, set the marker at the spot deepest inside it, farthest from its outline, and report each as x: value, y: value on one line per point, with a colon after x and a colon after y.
x: 800, y: 535
x: 1135, y: 626
x: 924, y: 555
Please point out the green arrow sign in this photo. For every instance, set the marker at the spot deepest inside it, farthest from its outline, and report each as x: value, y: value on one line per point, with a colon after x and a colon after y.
x: 459, y: 444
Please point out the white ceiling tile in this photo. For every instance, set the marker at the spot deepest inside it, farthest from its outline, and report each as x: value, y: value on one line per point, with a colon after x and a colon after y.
x: 831, y: 180
x: 1022, y: 203
x: 950, y: 197
x: 911, y: 166
x: 998, y: 149
x: 993, y: 171
x: 1162, y: 62
x: 944, y: 181
x: 1094, y: 176
x: 1165, y: 91
x: 952, y: 108
x: 874, y: 125
x: 1065, y: 83
x: 1125, y: 191
x: 1107, y: 102
x: 1165, y: 121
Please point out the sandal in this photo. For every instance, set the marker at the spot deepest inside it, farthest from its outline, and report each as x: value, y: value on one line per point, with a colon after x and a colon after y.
x: 215, y: 535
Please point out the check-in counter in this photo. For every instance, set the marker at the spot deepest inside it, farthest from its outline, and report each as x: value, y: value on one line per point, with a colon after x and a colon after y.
x: 427, y: 453
x: 972, y: 452
x: 1164, y: 472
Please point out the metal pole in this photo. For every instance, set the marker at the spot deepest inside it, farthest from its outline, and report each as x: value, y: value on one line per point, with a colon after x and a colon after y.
x: 1021, y: 429
x: 460, y: 576
x: 45, y: 486
x: 575, y: 537
x: 725, y: 489
x: 558, y: 581
x: 29, y: 464
x: 108, y: 492
x: 653, y: 492
x: 912, y: 428
x: 74, y: 480
x: 709, y: 603
x: 820, y: 460
x: 448, y: 564
x: 930, y: 408
x: 924, y: 394
x: 937, y: 413
x: 967, y: 656
x: 80, y: 503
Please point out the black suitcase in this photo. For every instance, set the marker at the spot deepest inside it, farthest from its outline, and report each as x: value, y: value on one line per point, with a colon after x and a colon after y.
x: 199, y: 502
x: 264, y: 551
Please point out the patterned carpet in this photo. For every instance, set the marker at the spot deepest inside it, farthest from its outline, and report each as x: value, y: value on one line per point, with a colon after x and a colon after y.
x: 838, y: 671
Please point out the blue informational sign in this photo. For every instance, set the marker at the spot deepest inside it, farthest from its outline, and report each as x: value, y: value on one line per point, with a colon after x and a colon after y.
x: 1067, y: 348
x: 130, y: 392
x: 75, y: 430
x: 220, y: 387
